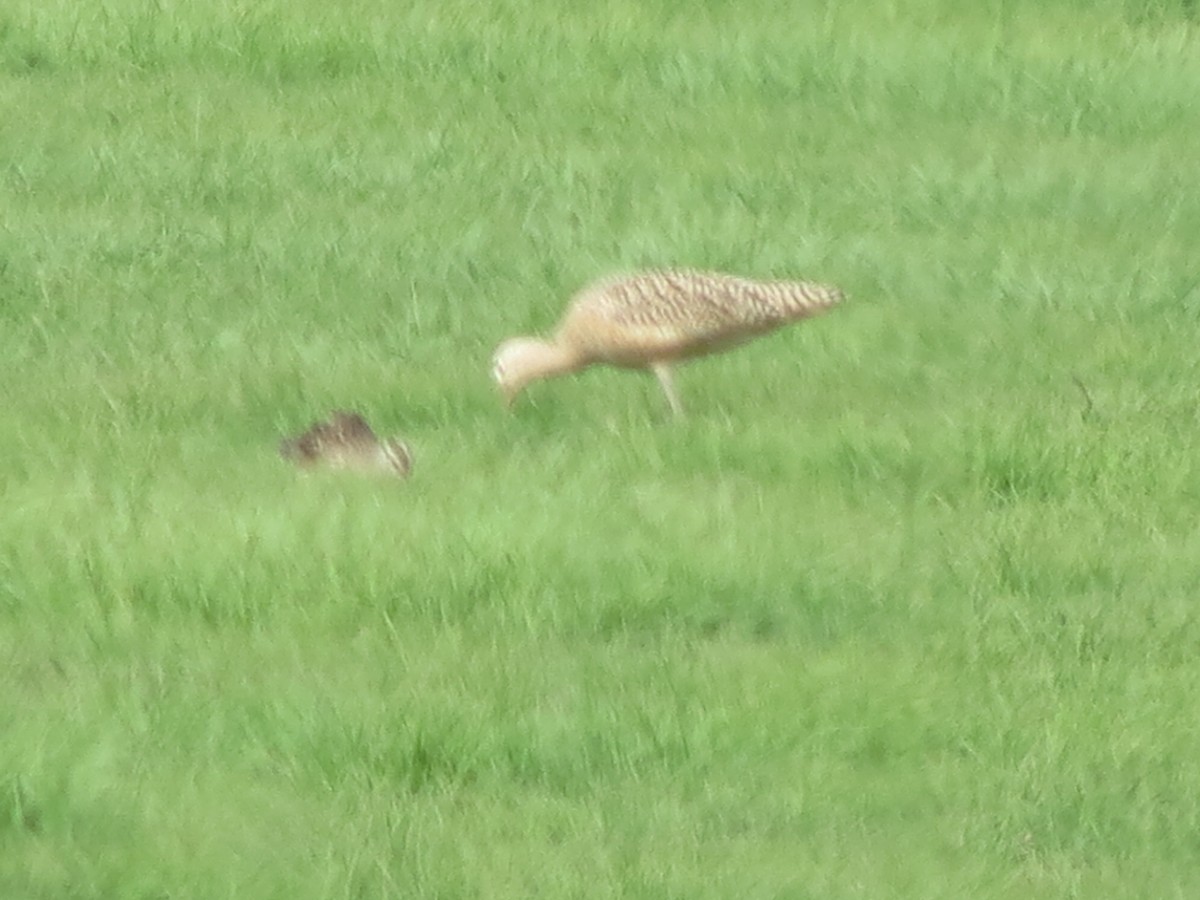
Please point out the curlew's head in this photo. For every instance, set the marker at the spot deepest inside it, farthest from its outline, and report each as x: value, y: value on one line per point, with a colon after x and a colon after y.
x: 520, y: 361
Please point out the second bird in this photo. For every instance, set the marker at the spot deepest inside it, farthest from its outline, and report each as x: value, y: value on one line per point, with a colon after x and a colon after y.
x: 346, y: 441
x: 652, y: 320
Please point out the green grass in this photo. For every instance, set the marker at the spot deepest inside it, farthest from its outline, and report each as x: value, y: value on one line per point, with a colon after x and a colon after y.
x: 906, y: 606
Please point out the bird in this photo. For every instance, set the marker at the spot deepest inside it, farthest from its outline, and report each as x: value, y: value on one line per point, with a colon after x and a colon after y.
x: 347, y: 442
x: 654, y: 319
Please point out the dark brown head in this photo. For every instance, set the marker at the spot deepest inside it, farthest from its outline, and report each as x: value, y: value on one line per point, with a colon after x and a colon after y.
x: 396, y: 457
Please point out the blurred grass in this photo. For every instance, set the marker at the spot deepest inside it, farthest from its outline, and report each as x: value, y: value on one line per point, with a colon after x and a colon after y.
x: 904, y: 608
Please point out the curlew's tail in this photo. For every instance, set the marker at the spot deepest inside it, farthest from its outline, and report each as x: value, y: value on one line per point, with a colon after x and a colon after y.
x: 807, y: 298
x: 768, y: 304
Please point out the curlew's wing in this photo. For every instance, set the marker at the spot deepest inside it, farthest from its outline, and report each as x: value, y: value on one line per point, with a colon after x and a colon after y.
x: 653, y: 316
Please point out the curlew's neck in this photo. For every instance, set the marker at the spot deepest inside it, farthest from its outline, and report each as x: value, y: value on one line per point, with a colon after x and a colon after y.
x: 540, y: 359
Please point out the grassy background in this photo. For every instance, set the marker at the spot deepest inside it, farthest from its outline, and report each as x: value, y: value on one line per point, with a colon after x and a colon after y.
x: 905, y: 608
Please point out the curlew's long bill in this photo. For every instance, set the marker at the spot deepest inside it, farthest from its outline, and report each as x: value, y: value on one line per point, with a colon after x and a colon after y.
x: 652, y: 320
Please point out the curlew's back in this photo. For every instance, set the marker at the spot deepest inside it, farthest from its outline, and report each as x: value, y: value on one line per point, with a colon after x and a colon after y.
x: 660, y: 316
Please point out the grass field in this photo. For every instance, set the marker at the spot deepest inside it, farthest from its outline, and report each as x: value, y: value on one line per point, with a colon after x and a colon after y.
x: 906, y: 607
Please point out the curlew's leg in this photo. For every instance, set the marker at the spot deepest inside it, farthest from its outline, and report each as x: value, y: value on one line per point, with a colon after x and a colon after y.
x: 663, y: 371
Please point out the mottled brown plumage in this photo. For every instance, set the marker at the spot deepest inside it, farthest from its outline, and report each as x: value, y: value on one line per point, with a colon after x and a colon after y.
x: 346, y: 441
x: 653, y: 319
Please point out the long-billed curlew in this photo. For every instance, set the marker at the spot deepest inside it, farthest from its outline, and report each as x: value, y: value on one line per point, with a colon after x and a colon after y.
x: 651, y: 320
x: 346, y: 441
